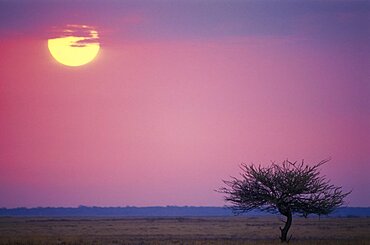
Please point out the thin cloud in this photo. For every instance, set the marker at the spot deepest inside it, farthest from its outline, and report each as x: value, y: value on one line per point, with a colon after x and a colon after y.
x: 75, y: 31
x: 88, y: 34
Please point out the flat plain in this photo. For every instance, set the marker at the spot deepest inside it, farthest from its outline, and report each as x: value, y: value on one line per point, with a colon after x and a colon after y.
x: 180, y: 230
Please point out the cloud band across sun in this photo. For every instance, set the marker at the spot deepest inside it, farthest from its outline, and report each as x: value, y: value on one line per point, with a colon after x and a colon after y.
x: 74, y: 45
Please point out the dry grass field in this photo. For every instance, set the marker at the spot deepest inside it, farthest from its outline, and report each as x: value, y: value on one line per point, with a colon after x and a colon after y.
x: 197, y: 231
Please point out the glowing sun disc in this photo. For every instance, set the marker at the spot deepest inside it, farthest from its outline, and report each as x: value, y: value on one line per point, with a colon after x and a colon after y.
x: 74, y: 50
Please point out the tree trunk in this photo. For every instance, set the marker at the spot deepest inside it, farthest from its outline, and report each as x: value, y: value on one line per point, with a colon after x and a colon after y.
x: 284, y: 231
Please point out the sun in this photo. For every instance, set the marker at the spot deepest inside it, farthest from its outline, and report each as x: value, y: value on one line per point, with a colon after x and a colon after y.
x: 76, y: 46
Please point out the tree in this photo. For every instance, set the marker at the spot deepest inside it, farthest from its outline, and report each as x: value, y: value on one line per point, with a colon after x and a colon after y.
x: 288, y: 188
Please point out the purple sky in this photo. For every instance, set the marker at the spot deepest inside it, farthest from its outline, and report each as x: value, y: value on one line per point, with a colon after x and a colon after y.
x: 180, y: 94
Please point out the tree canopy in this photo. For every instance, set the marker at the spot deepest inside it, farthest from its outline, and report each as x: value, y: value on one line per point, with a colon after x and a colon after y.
x: 287, y: 188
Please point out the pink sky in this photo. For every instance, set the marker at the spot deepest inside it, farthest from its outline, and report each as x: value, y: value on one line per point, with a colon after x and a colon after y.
x: 161, y: 116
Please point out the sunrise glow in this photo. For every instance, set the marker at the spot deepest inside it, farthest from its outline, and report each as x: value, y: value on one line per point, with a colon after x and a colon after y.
x: 154, y: 103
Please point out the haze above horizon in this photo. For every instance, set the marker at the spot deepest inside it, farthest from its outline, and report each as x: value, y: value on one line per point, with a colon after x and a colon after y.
x: 172, y: 97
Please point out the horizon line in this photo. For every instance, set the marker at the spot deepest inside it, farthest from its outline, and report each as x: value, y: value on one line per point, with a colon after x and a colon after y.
x: 133, y: 206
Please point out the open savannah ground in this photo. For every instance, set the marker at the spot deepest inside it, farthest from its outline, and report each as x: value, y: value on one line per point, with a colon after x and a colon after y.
x: 197, y: 230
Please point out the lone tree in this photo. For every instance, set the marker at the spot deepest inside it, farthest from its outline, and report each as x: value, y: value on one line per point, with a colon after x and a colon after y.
x: 288, y: 188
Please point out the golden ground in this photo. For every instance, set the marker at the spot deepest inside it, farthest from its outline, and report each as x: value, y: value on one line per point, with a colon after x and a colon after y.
x: 192, y: 231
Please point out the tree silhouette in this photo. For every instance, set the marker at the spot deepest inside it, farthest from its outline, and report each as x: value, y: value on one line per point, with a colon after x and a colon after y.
x: 288, y: 188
